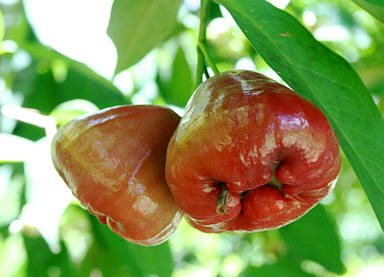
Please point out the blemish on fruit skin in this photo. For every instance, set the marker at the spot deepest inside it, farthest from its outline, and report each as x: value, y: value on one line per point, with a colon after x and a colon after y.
x: 144, y: 205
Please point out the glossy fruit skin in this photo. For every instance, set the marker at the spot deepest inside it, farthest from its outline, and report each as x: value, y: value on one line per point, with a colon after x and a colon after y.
x: 113, y: 162
x: 240, y: 129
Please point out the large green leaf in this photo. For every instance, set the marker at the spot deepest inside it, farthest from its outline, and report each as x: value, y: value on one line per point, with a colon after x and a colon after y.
x: 78, y: 80
x: 374, y: 7
x: 327, y: 80
x: 136, y: 27
x: 42, y: 90
x: 117, y: 257
x: 314, y: 237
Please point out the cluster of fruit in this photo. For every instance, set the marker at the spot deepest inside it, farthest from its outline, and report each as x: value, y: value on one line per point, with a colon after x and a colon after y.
x: 247, y: 155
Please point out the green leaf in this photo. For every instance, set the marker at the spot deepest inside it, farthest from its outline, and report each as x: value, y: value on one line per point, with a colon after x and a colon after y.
x: 213, y: 11
x: 282, y: 267
x: 77, y: 80
x: 155, y: 260
x: 179, y: 89
x: 315, y: 237
x: 327, y: 80
x: 42, y: 262
x: 374, y: 2
x: 117, y: 257
x: 63, y: 261
x: 21, y: 31
x: 374, y: 7
x: 136, y: 27
x: 43, y: 89
x: 37, y: 264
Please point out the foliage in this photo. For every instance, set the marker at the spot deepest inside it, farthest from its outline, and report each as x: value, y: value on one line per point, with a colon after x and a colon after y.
x: 43, y: 230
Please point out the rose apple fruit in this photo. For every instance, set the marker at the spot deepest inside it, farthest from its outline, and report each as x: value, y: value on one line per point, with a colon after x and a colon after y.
x: 114, y: 161
x: 249, y: 155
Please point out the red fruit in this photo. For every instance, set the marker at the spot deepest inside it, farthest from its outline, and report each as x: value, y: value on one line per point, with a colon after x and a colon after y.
x: 113, y: 161
x: 249, y: 155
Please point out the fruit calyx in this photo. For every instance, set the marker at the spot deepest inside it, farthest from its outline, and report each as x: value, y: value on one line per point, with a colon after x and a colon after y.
x: 274, y: 182
x: 221, y: 204
x: 222, y: 199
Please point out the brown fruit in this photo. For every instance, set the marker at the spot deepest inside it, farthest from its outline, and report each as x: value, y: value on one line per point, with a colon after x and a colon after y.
x: 113, y: 162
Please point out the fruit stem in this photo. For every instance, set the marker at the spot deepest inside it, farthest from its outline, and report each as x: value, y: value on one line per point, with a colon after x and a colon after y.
x: 203, y: 56
x: 221, y: 204
x: 208, y: 58
x: 202, y: 36
x: 274, y: 182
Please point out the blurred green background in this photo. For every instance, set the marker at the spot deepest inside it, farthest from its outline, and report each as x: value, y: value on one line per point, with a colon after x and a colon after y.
x: 57, y: 62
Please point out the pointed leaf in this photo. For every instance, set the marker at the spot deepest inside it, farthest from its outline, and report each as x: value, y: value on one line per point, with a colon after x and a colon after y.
x: 79, y: 81
x: 136, y: 27
x: 327, y: 80
x: 42, y: 91
x: 179, y: 89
